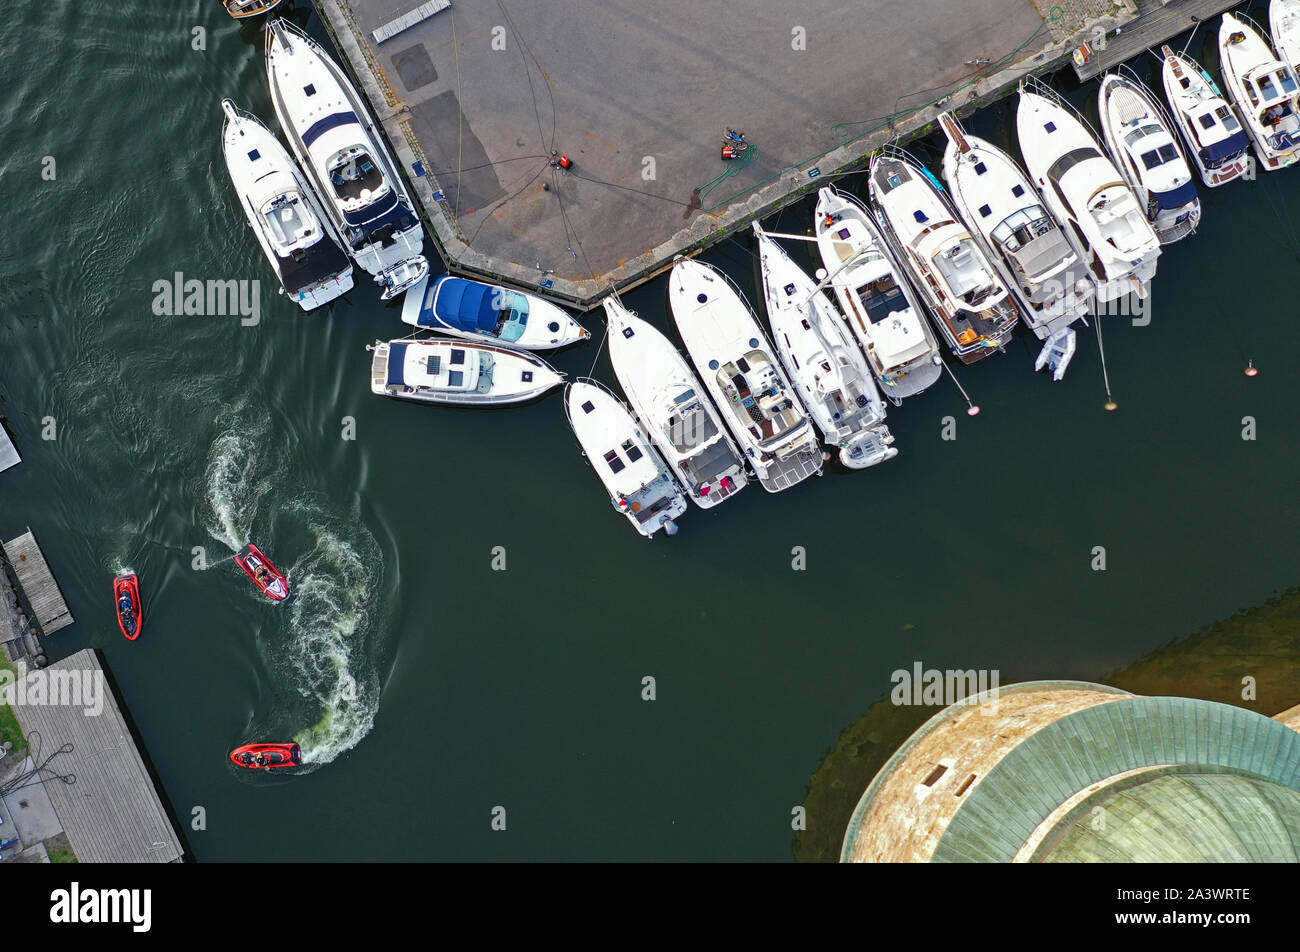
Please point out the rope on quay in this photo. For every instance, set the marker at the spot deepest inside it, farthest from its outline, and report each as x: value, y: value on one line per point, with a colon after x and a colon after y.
x: 839, y: 129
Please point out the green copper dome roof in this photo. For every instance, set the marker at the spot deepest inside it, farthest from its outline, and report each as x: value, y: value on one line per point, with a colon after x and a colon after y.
x: 1092, y: 745
x: 1181, y: 817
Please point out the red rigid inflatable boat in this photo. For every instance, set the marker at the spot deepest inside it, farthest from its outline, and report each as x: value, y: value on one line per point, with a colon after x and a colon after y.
x: 130, y: 614
x: 267, y: 756
x: 259, y: 568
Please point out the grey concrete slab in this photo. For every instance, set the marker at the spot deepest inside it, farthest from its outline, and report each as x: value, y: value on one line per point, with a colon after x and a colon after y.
x: 638, y: 95
x: 32, y: 811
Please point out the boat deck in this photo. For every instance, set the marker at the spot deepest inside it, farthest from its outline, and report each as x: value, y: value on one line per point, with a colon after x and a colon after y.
x: 786, y: 473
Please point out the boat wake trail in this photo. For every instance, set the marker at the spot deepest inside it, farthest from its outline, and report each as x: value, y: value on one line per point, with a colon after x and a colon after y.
x: 319, y: 650
x: 233, y: 486
x: 329, y: 617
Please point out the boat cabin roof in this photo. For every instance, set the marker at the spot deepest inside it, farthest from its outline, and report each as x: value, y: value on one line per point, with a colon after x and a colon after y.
x: 443, y: 367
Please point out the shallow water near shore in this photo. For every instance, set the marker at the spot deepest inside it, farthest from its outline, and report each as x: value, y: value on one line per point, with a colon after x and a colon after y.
x: 430, y: 688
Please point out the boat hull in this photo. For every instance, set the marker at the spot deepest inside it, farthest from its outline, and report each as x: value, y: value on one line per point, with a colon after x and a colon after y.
x: 267, y: 756
x: 130, y: 622
x: 273, y: 584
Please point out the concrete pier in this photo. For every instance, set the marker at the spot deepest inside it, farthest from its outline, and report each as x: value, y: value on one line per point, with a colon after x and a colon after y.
x: 475, y: 97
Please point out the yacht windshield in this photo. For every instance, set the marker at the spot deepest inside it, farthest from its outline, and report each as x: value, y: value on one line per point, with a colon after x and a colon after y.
x: 1158, y: 157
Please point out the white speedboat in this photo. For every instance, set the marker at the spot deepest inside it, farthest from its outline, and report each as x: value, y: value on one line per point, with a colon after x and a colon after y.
x: 458, y: 373
x: 284, y: 213
x: 1086, y: 193
x: 487, y: 312
x: 640, y: 485
x: 331, y: 132
x: 823, y: 361
x: 875, y: 296
x: 1216, y: 143
x: 673, y: 408
x: 967, y: 296
x: 1042, y: 268
x: 1142, y: 141
x: 1284, y: 25
x: 1264, y: 90
x: 740, y: 371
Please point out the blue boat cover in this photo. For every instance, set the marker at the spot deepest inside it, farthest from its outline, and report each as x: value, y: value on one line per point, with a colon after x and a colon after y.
x: 396, y: 362
x: 322, y: 126
x: 1237, y: 142
x: 377, y: 214
x: 1176, y: 197
x: 462, y: 305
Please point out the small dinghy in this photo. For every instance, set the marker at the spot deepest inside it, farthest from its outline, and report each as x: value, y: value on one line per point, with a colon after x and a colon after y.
x: 267, y: 577
x: 126, y: 594
x: 402, y: 276
x: 458, y: 373
x: 488, y: 312
x: 267, y: 756
x: 240, y: 9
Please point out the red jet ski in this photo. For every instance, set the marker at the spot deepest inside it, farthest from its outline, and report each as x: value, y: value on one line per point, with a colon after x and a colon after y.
x: 267, y: 756
x: 259, y: 568
x: 130, y: 614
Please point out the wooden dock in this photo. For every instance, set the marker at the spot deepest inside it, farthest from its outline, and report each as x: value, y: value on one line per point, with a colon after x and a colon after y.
x: 112, y: 813
x: 37, y: 583
x: 8, y: 455
x: 1157, y: 22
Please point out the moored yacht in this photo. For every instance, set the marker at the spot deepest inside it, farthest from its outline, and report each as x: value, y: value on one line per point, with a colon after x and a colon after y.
x: 873, y: 292
x: 477, y: 311
x: 1086, y: 193
x: 823, y: 361
x: 458, y: 373
x: 640, y: 486
x: 1264, y: 90
x: 1284, y: 24
x: 967, y: 296
x: 740, y: 370
x: 1216, y: 143
x: 1142, y: 141
x: 1020, y: 236
x: 333, y: 136
x: 673, y: 408
x: 284, y: 213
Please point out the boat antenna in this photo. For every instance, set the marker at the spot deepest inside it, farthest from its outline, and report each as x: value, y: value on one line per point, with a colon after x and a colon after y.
x: 1110, y: 403
x: 971, y: 408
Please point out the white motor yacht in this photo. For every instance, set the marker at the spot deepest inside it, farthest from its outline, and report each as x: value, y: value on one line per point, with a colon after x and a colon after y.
x: 330, y: 131
x: 1086, y: 193
x: 825, y: 364
x: 740, y: 370
x: 1216, y: 143
x: 1143, y: 143
x: 640, y: 485
x: 284, y: 213
x: 458, y: 373
x: 1020, y: 235
x: 874, y: 294
x: 673, y: 408
x: 968, y: 297
x: 1264, y: 90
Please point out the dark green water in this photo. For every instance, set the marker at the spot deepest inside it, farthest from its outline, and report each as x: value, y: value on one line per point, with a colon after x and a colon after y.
x: 431, y: 688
